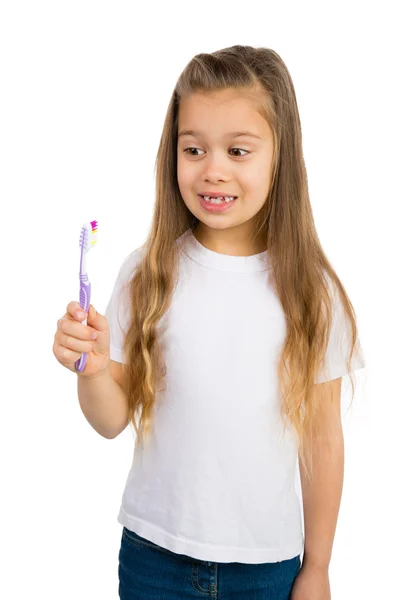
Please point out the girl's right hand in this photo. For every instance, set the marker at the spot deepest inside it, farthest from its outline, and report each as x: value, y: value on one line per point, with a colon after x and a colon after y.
x: 73, y: 337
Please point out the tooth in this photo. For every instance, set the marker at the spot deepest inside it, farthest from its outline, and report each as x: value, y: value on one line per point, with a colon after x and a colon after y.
x: 219, y: 199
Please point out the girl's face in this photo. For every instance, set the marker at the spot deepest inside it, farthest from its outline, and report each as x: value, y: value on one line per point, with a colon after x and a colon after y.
x: 213, y: 157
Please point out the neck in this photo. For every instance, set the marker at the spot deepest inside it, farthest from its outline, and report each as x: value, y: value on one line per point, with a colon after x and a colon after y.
x: 230, y: 241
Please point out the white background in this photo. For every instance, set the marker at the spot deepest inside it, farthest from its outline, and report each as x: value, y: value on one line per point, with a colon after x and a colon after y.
x: 84, y: 92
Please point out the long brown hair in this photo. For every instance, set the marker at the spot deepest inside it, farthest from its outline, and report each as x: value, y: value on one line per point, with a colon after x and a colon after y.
x: 302, y: 276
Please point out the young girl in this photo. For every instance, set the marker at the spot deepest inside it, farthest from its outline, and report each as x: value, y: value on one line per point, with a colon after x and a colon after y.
x: 230, y: 332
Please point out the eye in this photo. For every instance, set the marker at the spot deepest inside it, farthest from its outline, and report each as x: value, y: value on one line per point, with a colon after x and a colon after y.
x: 241, y: 149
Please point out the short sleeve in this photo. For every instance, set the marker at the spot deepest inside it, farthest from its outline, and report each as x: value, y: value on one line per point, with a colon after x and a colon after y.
x: 338, y: 349
x: 118, y: 307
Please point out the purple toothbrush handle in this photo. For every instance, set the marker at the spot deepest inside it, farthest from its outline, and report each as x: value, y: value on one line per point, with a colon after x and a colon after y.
x: 84, y: 301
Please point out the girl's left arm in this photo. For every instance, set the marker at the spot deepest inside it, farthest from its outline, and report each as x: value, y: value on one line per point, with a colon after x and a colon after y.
x: 321, y: 497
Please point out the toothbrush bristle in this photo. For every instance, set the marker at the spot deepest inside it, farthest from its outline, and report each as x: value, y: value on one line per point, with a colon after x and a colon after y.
x: 94, y: 231
x: 88, y: 235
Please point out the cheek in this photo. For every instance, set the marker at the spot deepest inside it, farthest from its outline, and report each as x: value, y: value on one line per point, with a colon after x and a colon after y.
x: 182, y: 174
x: 185, y: 185
x: 256, y: 180
x: 186, y: 181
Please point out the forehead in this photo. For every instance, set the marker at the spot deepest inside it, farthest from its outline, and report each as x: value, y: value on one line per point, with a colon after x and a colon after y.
x: 222, y: 111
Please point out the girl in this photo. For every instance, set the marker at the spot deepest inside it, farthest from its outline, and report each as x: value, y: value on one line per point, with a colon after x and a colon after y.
x: 233, y: 332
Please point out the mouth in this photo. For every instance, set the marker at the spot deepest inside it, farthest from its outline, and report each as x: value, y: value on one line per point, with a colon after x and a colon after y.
x: 217, y: 200
x: 216, y: 204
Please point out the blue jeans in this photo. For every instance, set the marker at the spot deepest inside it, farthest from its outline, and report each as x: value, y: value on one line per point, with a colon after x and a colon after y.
x: 149, y: 572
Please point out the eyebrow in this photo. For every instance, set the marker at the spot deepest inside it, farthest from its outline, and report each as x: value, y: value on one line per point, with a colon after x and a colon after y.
x: 232, y: 134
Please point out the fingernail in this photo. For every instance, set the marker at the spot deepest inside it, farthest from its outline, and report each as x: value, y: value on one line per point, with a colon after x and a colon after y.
x: 94, y: 335
x: 81, y: 315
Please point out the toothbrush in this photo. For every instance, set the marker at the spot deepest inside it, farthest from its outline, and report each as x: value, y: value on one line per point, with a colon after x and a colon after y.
x: 87, y: 240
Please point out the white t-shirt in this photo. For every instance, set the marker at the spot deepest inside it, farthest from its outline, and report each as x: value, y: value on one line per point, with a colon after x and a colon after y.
x: 217, y: 480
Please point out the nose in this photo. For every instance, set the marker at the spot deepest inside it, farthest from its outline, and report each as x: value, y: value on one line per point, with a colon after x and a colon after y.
x: 216, y: 168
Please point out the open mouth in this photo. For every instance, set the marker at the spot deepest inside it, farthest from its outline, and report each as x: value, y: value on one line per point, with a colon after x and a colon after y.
x: 216, y: 205
x: 220, y: 200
